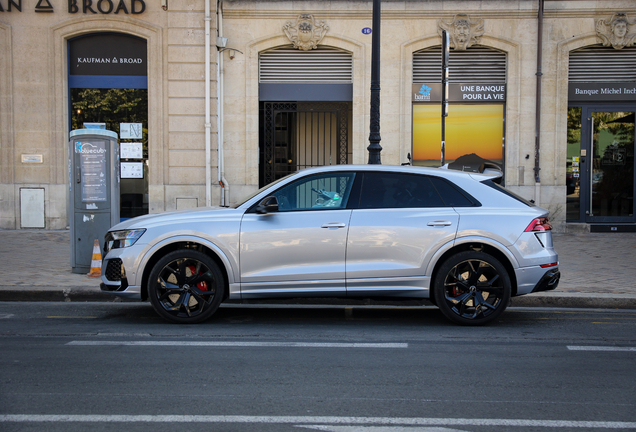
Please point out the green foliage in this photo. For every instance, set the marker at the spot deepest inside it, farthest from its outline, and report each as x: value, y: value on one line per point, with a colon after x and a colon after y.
x: 110, y: 106
x: 574, y: 125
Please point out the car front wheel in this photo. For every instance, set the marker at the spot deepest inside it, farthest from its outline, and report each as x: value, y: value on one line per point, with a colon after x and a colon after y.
x: 186, y: 286
x: 472, y: 288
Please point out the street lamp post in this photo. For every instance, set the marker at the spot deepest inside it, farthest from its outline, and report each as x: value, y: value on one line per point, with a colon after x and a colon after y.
x: 445, y: 61
x: 374, y: 126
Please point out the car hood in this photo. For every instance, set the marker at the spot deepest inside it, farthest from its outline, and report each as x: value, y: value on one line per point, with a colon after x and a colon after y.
x: 180, y: 216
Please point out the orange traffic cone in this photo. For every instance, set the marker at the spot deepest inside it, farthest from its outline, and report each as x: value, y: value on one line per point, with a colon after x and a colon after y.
x: 96, y: 263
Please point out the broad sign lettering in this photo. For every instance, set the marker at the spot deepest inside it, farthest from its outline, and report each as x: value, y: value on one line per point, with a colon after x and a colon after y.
x: 104, y: 7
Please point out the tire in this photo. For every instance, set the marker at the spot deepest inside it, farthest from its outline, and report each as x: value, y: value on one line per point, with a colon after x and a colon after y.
x: 472, y: 288
x: 186, y: 287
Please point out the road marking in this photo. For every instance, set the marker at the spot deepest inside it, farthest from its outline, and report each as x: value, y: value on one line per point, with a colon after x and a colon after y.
x: 600, y: 348
x: 241, y: 344
x: 377, y: 428
x: 315, y: 420
x: 71, y: 317
x: 613, y: 323
x: 124, y: 334
x: 6, y: 316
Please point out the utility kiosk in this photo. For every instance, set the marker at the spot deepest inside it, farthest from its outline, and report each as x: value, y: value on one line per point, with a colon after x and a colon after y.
x: 94, y: 191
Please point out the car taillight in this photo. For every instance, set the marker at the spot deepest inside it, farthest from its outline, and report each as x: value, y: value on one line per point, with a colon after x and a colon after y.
x: 539, y: 224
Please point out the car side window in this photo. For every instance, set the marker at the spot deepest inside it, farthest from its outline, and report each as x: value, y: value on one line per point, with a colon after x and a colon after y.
x: 398, y: 190
x: 451, y: 195
x: 321, y: 192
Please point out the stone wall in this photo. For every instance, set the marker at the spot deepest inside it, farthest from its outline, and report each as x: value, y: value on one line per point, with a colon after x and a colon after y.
x: 34, y: 111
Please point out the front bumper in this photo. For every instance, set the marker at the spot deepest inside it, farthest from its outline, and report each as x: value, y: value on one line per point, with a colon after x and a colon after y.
x: 114, y: 278
x: 131, y: 292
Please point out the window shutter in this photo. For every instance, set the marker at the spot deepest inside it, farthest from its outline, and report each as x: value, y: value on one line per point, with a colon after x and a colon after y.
x: 603, y: 64
x: 478, y: 65
x: 322, y: 65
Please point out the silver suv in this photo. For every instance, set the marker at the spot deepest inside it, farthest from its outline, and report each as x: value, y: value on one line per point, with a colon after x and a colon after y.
x: 371, y: 231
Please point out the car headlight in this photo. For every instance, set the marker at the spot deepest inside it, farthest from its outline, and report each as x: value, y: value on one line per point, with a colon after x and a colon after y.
x: 122, y: 239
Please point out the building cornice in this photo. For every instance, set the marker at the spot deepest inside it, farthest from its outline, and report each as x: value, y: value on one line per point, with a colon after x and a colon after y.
x: 229, y: 13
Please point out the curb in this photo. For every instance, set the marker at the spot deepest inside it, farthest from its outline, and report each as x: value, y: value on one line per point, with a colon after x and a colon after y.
x: 10, y: 294
x: 591, y: 301
x: 566, y: 300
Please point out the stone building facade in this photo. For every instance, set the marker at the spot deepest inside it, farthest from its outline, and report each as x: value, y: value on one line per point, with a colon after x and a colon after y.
x: 289, y: 87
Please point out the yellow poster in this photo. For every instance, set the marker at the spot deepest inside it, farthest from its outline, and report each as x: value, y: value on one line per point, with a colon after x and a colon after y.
x: 470, y: 129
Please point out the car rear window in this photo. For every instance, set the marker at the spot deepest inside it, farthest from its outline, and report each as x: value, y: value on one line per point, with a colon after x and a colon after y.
x: 453, y: 196
x: 505, y: 191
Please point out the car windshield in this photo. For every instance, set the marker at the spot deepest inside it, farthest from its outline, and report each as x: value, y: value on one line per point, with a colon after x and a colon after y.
x: 250, y: 196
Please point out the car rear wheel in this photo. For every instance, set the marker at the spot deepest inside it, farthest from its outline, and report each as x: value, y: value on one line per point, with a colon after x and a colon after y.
x: 186, y: 287
x: 472, y: 288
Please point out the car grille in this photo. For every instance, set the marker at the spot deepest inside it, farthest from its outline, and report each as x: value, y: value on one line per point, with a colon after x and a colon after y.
x: 114, y: 269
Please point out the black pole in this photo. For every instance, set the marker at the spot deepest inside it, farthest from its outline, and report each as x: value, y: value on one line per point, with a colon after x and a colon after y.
x: 537, y: 130
x: 445, y: 61
x: 374, y: 126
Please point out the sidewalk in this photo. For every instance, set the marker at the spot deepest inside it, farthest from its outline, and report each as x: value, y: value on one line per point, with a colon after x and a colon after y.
x: 598, y: 270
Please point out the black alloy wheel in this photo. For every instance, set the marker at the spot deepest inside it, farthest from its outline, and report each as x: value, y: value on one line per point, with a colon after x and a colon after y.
x: 472, y: 288
x: 186, y: 286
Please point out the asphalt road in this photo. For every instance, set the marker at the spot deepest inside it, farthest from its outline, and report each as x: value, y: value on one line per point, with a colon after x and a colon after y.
x: 118, y: 366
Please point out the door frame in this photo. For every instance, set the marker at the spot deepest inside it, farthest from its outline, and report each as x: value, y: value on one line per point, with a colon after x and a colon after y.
x: 586, y: 165
x: 269, y: 168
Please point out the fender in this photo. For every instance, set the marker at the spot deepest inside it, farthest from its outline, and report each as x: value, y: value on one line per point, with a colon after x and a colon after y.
x: 466, y: 240
x: 228, y: 261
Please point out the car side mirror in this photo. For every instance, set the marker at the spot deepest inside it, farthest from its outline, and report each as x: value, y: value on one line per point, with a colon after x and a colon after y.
x: 267, y: 205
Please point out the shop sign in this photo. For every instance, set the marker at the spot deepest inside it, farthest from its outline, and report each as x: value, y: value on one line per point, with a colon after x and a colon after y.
x: 104, y: 7
x: 108, y: 54
x: 432, y: 92
x: 602, y: 92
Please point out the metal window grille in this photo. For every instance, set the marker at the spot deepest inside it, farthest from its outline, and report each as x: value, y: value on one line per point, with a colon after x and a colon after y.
x: 299, y: 135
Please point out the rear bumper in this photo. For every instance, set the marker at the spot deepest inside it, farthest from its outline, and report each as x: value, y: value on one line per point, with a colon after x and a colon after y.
x: 549, y: 281
x: 535, y: 279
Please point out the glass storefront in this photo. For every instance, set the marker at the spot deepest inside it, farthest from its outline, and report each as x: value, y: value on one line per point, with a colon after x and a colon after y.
x: 474, y: 135
x: 600, y: 164
x: 600, y: 178
x: 573, y: 167
x: 108, y: 88
x: 612, y: 169
x: 110, y: 108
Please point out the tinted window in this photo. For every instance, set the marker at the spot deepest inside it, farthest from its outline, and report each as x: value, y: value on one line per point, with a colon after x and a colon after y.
x: 396, y: 190
x: 505, y: 191
x: 451, y: 195
x: 322, y: 192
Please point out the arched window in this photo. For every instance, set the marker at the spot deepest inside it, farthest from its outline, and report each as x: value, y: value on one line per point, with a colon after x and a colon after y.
x: 108, y: 86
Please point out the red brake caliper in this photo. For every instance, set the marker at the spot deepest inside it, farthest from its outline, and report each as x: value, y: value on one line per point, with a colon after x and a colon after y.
x: 455, y: 290
x: 203, y: 285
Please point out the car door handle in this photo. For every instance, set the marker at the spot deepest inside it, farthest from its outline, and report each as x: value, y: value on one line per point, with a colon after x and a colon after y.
x: 333, y: 225
x: 440, y: 223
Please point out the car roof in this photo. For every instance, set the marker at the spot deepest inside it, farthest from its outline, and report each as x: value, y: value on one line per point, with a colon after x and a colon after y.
x: 446, y: 173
